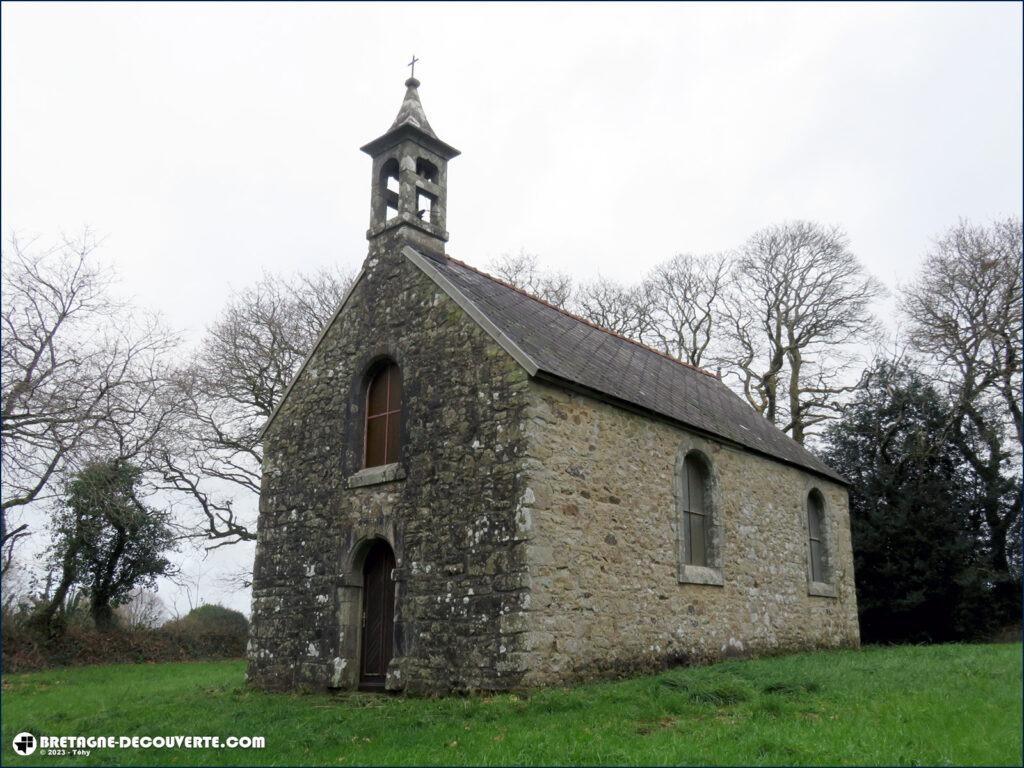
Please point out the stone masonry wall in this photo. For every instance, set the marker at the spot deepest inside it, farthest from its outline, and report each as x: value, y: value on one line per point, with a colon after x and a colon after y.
x: 451, y: 520
x: 606, y: 595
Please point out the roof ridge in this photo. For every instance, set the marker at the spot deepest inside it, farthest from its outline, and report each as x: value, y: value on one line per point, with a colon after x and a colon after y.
x: 583, y: 320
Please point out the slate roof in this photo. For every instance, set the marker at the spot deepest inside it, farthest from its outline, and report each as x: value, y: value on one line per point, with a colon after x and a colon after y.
x: 567, y: 348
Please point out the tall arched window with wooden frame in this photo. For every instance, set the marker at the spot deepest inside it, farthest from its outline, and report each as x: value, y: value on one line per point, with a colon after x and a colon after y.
x: 382, y: 441
x: 696, y: 515
x: 817, y: 549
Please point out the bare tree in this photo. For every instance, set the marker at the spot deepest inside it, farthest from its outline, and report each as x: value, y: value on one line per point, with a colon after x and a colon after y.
x: 625, y: 309
x: 523, y: 272
x: 798, y: 302
x: 965, y: 311
x: 237, y: 579
x: 686, y: 294
x: 82, y: 373
x: 211, y: 455
x: 19, y: 587
x: 619, y: 308
x: 143, y: 610
x: 673, y: 309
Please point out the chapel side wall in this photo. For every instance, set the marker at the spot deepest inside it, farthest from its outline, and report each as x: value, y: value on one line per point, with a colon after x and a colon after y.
x: 460, y: 560
x: 603, y: 555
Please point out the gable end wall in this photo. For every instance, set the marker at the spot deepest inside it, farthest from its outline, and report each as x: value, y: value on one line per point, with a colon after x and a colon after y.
x: 452, y: 521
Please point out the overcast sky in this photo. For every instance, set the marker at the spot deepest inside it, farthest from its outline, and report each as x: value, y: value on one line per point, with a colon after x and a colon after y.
x: 209, y: 143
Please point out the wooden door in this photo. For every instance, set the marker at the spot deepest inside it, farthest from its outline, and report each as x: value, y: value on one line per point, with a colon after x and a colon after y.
x: 378, y: 615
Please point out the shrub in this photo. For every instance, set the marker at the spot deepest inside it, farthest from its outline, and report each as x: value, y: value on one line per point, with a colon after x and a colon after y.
x: 211, y: 629
x: 215, y: 618
x: 209, y: 632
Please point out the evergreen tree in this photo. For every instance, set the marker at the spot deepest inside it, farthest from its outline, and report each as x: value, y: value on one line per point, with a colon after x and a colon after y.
x: 919, y: 567
x: 106, y: 540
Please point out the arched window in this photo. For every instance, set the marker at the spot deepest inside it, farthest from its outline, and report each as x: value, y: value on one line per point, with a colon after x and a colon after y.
x: 816, y: 535
x: 698, y: 522
x: 383, y: 416
x: 390, y: 189
x: 426, y: 169
x: 696, y: 517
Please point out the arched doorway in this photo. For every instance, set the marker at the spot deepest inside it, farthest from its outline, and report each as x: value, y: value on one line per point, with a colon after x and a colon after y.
x: 378, y: 617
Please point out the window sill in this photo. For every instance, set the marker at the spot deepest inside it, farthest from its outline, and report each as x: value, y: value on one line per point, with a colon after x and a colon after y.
x: 700, y: 574
x: 386, y: 473
x: 820, y: 589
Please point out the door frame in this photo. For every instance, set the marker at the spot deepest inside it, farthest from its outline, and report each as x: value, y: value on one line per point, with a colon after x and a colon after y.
x: 386, y: 551
x: 344, y: 669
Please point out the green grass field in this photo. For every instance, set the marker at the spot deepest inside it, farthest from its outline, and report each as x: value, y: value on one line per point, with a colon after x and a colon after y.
x: 938, y: 705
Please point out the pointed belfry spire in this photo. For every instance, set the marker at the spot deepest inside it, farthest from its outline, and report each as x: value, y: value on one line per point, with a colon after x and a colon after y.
x: 412, y: 112
x: 410, y: 177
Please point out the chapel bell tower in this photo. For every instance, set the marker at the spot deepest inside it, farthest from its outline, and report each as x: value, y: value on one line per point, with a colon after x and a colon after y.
x: 410, y: 177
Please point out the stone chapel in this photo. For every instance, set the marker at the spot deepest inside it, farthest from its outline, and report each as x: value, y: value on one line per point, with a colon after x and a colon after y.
x: 466, y: 488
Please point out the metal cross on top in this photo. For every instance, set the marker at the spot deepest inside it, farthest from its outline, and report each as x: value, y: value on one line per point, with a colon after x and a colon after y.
x: 412, y: 66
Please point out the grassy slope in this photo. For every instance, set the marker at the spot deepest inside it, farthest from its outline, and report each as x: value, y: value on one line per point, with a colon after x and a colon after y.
x: 908, y: 705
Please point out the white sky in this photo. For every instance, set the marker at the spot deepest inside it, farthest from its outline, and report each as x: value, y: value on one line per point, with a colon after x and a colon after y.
x: 211, y: 142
